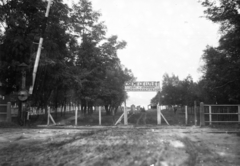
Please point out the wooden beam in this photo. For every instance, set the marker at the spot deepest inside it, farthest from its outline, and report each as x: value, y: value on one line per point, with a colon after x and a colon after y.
x: 195, y: 113
x: 100, y: 115
x: 186, y: 115
x: 202, y: 120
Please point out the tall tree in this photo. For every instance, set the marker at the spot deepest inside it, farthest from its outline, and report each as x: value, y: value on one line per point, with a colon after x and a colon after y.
x: 177, y: 92
x: 98, y: 54
x: 77, y: 59
x: 20, y: 20
x: 222, y: 64
x: 23, y: 24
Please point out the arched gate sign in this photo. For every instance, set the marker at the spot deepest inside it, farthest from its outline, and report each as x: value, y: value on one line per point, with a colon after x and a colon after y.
x: 143, y: 86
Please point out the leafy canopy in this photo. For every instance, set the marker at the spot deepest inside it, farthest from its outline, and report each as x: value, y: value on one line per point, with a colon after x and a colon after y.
x: 77, y: 62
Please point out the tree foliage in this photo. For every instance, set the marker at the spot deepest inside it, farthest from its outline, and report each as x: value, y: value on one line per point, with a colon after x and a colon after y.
x: 222, y: 63
x: 177, y: 92
x: 78, y: 62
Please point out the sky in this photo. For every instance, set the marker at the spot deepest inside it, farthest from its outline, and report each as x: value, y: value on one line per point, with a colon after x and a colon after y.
x: 163, y: 36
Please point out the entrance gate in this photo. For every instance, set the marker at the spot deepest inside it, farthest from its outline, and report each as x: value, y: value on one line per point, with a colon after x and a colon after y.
x: 142, y: 86
x: 219, y: 114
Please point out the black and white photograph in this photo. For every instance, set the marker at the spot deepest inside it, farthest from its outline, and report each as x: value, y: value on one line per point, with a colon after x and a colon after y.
x: 119, y: 82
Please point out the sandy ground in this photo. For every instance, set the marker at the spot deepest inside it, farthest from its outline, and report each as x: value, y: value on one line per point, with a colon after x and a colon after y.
x: 126, y: 145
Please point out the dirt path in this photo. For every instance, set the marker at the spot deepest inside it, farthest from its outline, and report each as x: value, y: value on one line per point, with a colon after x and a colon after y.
x: 164, y: 146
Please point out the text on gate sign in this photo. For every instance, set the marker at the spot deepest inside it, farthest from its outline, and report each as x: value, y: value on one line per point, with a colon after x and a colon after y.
x: 143, y: 86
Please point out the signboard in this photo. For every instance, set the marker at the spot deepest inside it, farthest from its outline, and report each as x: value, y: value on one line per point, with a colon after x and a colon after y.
x: 23, y: 95
x: 147, y: 86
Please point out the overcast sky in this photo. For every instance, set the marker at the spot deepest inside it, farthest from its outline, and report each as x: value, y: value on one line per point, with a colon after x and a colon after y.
x: 163, y: 36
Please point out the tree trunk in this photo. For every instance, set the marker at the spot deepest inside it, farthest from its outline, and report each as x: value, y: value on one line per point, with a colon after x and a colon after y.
x: 65, y: 107
x: 90, y: 107
x: 62, y: 110
x: 108, y: 112
x: 83, y: 107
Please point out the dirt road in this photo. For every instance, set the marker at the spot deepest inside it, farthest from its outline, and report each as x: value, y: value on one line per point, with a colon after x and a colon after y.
x: 94, y: 146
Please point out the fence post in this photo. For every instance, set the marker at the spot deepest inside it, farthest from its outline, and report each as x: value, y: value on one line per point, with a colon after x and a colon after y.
x: 195, y: 113
x: 158, y: 115
x: 210, y: 115
x: 76, y: 116
x: 239, y: 113
x: 100, y: 115
x: 186, y: 115
x: 48, y: 115
x: 125, y: 113
x: 202, y: 120
x: 9, y: 115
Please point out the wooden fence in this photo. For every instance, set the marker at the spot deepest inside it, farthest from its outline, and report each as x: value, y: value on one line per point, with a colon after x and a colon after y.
x: 219, y: 114
x: 5, y: 112
x: 189, y: 115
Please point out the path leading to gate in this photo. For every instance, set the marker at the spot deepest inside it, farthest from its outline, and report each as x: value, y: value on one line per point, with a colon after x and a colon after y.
x: 119, y: 145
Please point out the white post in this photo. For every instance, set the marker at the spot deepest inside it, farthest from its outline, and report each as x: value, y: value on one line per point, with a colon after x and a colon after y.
x: 158, y: 115
x: 210, y: 115
x: 186, y: 115
x: 239, y: 113
x: 48, y: 115
x: 100, y: 116
x: 159, y: 107
x: 76, y: 117
x: 125, y: 114
x: 120, y: 119
x: 164, y: 118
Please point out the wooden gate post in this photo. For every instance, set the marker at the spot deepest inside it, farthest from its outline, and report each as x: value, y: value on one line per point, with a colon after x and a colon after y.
x: 195, y: 113
x: 186, y: 115
x: 48, y: 115
x: 202, y: 120
x: 100, y: 115
x: 158, y: 115
x: 125, y: 113
x: 210, y: 115
x: 9, y: 115
x: 76, y: 116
